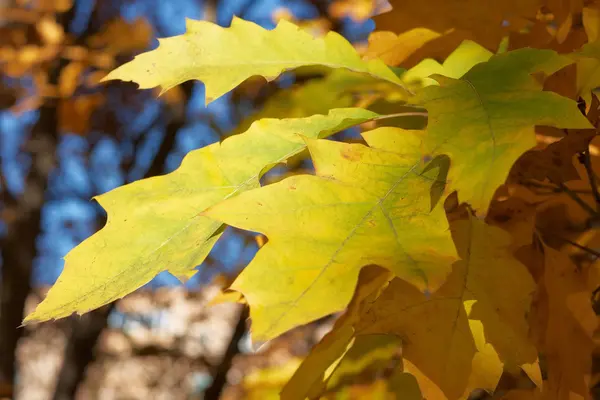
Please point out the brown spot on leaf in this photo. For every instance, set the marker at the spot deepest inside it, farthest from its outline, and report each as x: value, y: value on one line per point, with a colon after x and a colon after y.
x: 350, y: 153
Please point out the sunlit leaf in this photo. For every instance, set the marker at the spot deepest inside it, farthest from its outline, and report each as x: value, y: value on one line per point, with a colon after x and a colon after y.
x: 176, y: 237
x: 223, y: 58
x: 485, y: 120
x: 366, y: 206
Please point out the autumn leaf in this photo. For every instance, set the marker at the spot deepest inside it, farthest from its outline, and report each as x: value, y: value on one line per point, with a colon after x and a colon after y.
x: 486, y: 20
x: 366, y: 206
x: 484, y: 300
x: 117, y: 260
x: 223, y: 58
x: 555, y: 161
x: 485, y: 120
x: 357, y: 10
x: 564, y: 327
x: 394, y: 49
x: 110, y: 38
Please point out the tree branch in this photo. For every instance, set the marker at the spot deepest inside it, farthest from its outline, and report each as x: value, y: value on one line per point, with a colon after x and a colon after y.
x: 220, y: 374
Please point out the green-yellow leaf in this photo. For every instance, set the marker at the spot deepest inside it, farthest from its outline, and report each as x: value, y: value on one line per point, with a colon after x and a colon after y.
x: 485, y: 120
x: 466, y: 56
x: 366, y: 206
x: 223, y: 58
x: 337, y: 89
x: 155, y: 224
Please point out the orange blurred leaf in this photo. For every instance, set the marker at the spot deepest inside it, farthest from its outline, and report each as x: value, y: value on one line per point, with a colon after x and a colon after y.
x: 75, y: 113
x: 69, y: 78
x: 120, y: 36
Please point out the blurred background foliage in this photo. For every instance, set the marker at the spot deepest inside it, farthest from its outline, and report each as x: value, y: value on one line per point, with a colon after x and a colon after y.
x: 65, y: 138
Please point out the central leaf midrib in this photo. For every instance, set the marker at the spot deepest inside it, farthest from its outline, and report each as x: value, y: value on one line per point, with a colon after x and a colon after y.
x: 342, y: 245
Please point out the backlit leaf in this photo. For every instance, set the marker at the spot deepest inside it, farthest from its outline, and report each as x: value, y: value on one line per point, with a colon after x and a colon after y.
x: 223, y: 58
x: 118, y: 259
x: 485, y: 120
x: 366, y: 206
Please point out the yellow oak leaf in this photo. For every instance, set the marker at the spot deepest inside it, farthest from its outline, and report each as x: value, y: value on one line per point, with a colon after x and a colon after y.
x: 117, y: 260
x: 485, y: 120
x: 223, y: 58
x: 448, y: 335
x: 366, y: 206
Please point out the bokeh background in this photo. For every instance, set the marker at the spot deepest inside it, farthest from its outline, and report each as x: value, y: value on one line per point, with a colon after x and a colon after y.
x: 65, y: 138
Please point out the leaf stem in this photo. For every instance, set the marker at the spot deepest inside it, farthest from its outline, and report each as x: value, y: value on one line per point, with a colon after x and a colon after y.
x: 580, y: 247
x: 402, y: 114
x: 552, y: 187
x: 576, y: 198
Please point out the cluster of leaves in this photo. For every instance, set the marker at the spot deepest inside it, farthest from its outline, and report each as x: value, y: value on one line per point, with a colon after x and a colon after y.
x: 35, y: 41
x: 461, y: 231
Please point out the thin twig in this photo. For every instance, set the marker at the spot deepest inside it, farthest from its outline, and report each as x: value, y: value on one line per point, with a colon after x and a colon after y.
x: 576, y: 198
x: 587, y: 162
x: 220, y: 376
x: 580, y: 247
x: 552, y: 187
